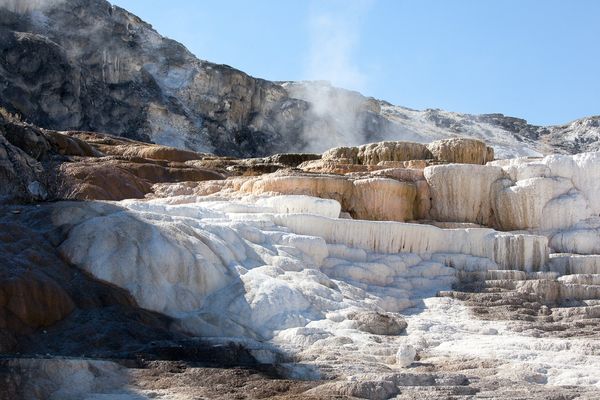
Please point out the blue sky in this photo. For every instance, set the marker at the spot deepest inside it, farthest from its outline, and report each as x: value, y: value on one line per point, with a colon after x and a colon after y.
x: 534, y: 59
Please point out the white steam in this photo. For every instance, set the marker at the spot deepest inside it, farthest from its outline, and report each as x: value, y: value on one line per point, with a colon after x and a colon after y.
x: 336, y: 116
x: 25, y: 6
x: 334, y: 33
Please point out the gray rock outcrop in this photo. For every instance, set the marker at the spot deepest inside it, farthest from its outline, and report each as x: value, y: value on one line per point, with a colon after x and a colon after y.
x: 88, y: 65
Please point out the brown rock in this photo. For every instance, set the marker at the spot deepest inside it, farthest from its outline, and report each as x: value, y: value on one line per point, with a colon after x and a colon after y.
x: 461, y: 150
x: 382, y: 199
x: 370, y: 198
x: 203, y: 188
x: 348, y: 155
x: 152, y: 152
x: 254, y: 169
x: 27, y: 138
x: 378, y: 323
x: 99, y: 181
x: 30, y: 300
x: 64, y: 144
x: 401, y: 174
x: 291, y: 159
x: 374, y: 153
x: 329, y: 187
x: 413, y: 164
x: 336, y: 167
x: 114, y: 179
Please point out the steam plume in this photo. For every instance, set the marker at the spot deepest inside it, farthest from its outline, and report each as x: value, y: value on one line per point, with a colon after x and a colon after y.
x: 336, y: 116
x: 24, y: 6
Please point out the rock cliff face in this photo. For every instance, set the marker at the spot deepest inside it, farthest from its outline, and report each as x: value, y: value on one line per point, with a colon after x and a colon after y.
x: 88, y: 65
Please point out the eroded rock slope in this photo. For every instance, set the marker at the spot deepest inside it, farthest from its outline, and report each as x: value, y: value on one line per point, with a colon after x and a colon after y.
x: 88, y: 65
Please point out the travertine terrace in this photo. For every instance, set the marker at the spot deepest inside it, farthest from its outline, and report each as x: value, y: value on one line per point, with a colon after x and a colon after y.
x: 381, y: 276
x: 175, y: 229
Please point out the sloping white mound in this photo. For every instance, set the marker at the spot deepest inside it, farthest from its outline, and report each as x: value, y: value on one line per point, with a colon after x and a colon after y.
x: 327, y: 290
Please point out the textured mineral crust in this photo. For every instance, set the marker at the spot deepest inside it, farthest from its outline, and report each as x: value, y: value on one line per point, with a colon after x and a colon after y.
x: 176, y: 229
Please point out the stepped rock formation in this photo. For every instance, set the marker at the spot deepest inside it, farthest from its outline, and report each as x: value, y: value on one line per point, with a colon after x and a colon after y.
x: 354, y: 272
x: 39, y: 164
x: 405, y: 256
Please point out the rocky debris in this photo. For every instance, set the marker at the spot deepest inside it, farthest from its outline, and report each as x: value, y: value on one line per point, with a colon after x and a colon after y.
x: 378, y: 323
x: 375, y: 390
x: 335, y: 167
x: 37, y: 379
x: 405, y: 355
x: 68, y: 378
x: 461, y: 150
x: 456, y: 150
x: 373, y: 153
x: 578, y: 136
x: 17, y: 172
x: 445, y: 380
x: 290, y: 159
x: 21, y: 173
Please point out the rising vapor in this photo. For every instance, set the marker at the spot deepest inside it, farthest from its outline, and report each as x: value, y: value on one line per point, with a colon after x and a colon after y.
x: 24, y: 6
x: 336, y: 116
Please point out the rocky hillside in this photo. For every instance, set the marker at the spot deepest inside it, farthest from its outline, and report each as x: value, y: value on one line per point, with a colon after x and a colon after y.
x: 88, y: 65
x: 424, y: 268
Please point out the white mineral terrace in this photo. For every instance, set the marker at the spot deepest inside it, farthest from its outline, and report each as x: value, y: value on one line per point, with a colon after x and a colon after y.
x: 285, y: 276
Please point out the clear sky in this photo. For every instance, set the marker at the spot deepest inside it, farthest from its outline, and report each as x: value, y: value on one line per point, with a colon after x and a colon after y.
x: 534, y: 59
